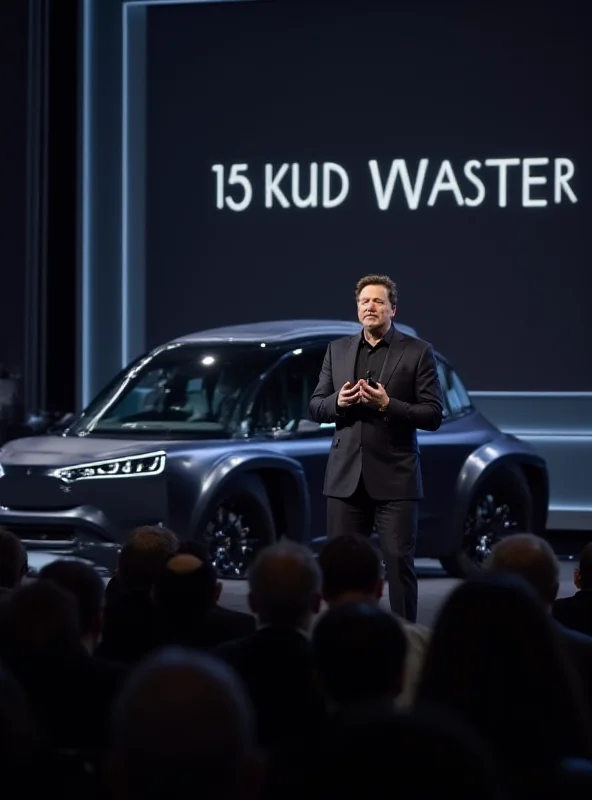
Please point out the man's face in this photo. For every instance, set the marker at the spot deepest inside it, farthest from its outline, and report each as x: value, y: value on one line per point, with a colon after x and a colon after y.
x: 375, y: 311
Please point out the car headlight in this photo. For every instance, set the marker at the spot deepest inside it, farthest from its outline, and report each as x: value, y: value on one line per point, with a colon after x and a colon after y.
x: 1, y: 471
x: 134, y: 466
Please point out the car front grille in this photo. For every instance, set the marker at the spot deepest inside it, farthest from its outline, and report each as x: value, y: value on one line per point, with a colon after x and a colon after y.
x: 38, y: 532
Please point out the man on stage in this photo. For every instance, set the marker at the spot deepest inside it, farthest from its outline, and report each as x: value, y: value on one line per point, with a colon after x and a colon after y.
x: 378, y: 387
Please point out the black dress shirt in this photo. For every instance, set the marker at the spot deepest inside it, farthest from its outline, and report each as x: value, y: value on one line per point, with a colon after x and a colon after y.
x: 371, y: 358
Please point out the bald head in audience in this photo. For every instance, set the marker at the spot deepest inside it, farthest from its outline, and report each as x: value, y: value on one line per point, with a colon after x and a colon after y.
x: 533, y: 559
x: 285, y: 586
x: 183, y: 723
x: 187, y: 585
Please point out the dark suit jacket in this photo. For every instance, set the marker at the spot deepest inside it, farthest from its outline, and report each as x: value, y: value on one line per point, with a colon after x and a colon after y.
x: 277, y: 668
x: 575, y: 612
x: 71, y: 697
x: 579, y: 650
x: 206, y: 631
x: 389, y: 458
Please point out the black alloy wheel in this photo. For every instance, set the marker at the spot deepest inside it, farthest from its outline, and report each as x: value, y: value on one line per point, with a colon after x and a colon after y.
x: 238, y: 526
x: 501, y: 506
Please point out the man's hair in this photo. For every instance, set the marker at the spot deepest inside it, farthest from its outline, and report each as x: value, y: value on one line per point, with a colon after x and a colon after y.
x: 39, y: 621
x: 379, y: 280
x: 13, y: 559
x: 182, y: 719
x: 349, y: 564
x: 144, y: 554
x: 186, y: 586
x: 284, y: 579
x: 530, y: 557
x: 359, y: 652
x: 86, y: 586
x: 585, y: 567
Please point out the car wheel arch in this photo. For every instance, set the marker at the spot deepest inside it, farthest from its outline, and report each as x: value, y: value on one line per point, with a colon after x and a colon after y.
x: 483, y: 462
x: 282, y: 479
x: 516, y: 473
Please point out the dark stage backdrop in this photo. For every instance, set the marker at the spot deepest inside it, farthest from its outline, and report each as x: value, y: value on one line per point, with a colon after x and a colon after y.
x: 291, y: 148
x: 13, y: 151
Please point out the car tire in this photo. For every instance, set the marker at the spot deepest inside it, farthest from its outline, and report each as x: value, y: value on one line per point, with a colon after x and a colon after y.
x: 238, y: 525
x: 502, y: 505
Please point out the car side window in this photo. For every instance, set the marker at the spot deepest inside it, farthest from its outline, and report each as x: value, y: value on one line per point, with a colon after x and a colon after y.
x: 284, y: 400
x: 456, y: 397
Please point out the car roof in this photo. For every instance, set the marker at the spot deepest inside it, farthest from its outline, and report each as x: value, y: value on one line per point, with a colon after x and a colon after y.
x: 279, y: 331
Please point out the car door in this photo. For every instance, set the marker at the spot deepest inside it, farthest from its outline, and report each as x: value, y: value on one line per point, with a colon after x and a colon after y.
x: 443, y: 453
x: 281, y: 412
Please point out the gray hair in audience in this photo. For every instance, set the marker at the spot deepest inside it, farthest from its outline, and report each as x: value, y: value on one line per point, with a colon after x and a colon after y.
x: 285, y: 584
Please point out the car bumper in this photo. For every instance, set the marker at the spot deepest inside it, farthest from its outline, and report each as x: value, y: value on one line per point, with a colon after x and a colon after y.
x: 81, y: 532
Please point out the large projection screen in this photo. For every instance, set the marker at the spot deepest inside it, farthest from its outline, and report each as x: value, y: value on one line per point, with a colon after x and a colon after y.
x: 271, y: 153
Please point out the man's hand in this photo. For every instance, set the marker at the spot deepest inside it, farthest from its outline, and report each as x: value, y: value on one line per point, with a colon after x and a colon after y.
x: 349, y: 394
x: 376, y: 398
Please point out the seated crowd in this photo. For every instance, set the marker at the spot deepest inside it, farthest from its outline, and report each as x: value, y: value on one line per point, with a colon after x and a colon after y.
x: 151, y: 688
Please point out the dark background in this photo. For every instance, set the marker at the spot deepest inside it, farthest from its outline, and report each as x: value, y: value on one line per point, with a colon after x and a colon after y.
x: 38, y: 200
x: 503, y: 292
x: 13, y: 165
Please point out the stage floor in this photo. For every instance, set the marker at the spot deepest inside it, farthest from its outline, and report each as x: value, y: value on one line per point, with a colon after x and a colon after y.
x: 434, y: 586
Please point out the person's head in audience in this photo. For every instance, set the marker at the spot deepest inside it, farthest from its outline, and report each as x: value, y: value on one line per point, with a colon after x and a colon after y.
x: 583, y: 573
x: 496, y: 660
x: 359, y: 651
x: 182, y: 721
x: 186, y: 588
x: 87, y: 587
x: 285, y: 586
x: 39, y: 623
x: 200, y: 551
x: 351, y: 568
x: 412, y: 756
x: 14, y: 564
x: 532, y: 559
x: 143, y: 555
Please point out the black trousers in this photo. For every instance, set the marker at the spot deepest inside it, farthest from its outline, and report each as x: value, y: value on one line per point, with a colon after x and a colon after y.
x: 396, y: 525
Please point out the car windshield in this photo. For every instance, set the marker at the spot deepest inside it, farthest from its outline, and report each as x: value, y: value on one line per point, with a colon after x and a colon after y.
x: 184, y: 390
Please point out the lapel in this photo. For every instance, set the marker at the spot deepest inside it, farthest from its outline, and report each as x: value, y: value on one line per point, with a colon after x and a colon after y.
x: 393, y: 356
x: 350, y: 358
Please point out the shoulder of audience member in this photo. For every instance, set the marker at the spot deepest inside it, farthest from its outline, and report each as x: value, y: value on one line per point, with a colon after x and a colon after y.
x: 415, y: 632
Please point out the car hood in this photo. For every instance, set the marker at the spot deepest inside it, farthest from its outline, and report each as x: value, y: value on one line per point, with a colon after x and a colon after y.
x: 62, y: 451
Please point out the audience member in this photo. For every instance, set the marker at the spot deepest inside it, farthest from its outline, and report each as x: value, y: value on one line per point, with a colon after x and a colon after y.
x: 186, y: 594
x: 533, y: 559
x: 575, y: 612
x: 352, y: 571
x: 69, y: 692
x: 383, y: 753
x: 183, y: 724
x: 19, y: 744
x: 128, y: 631
x: 14, y: 564
x: 276, y: 662
x: 496, y: 660
x: 87, y: 587
x: 359, y: 652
